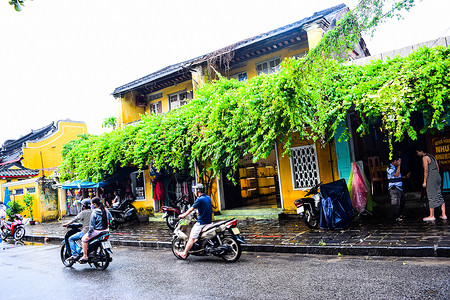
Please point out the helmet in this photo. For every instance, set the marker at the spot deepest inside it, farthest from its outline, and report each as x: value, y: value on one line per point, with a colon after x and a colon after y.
x: 200, y: 187
x: 86, y: 203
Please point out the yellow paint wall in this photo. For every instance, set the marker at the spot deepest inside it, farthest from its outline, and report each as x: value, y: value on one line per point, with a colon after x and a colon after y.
x: 250, y: 67
x: 38, y: 212
x: 51, y: 146
x: 285, y: 175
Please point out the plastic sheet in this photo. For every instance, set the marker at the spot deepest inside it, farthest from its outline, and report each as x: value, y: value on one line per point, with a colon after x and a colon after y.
x: 336, y: 209
x: 359, y: 189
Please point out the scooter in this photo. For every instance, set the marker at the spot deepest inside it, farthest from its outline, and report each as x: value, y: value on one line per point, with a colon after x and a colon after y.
x: 125, y: 212
x: 14, y: 228
x: 220, y: 239
x: 171, y: 213
x: 309, y: 208
x: 99, y: 248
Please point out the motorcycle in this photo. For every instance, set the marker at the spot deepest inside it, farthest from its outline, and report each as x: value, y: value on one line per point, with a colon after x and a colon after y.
x: 309, y: 207
x: 220, y: 239
x: 125, y: 212
x: 99, y: 248
x: 171, y: 213
x: 14, y: 228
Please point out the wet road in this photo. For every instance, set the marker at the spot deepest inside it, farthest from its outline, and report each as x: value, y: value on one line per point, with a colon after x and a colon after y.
x: 37, y: 272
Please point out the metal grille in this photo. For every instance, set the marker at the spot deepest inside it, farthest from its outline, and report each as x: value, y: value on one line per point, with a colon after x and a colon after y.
x: 305, y: 168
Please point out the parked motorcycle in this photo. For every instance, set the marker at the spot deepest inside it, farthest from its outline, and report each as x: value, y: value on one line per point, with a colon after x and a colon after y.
x: 171, y: 213
x: 99, y: 248
x: 14, y: 228
x: 309, y: 207
x: 125, y: 212
x: 220, y: 239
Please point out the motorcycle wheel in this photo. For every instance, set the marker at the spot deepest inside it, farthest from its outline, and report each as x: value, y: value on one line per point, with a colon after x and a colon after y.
x: 19, y: 232
x: 310, y: 221
x: 65, y: 256
x: 178, y: 245
x: 171, y: 220
x: 101, y: 258
x: 235, y: 249
x: 3, y: 234
x: 113, y: 224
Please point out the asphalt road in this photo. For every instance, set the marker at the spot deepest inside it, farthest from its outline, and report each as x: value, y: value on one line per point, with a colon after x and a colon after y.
x: 35, y: 271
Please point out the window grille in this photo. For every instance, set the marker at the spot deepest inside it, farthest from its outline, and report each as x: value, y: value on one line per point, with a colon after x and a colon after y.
x: 305, y: 167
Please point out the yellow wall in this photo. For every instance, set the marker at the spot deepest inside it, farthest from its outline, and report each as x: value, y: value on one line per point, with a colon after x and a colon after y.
x: 285, y: 174
x: 51, y: 146
x: 127, y: 111
x: 39, y: 212
x: 148, y: 202
x: 250, y: 67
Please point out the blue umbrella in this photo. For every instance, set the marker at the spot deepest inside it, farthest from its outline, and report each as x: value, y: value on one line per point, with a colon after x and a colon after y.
x: 7, y: 197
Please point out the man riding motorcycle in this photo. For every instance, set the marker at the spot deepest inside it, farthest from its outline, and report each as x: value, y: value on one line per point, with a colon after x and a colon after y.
x: 203, y: 205
x: 83, y: 217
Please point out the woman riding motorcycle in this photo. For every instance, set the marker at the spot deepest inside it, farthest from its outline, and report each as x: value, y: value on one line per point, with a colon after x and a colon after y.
x: 100, y: 218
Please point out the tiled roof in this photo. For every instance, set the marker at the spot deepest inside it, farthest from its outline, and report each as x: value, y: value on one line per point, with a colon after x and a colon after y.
x: 330, y: 14
x: 18, y: 173
x: 16, y: 170
x: 10, y: 146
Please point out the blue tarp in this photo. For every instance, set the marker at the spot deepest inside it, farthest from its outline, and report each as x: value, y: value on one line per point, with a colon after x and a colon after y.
x: 78, y: 184
x: 337, y: 210
x: 7, y: 197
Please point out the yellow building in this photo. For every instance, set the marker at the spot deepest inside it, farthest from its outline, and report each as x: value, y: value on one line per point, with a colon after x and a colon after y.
x: 27, y: 165
x: 273, y: 182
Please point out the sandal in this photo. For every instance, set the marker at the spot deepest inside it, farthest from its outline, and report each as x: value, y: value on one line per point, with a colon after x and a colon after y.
x: 83, y: 261
x: 429, y: 219
x: 443, y: 218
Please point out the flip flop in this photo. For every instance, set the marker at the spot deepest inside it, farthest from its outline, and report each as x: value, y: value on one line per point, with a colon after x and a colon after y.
x: 83, y: 261
x: 429, y: 219
x: 443, y: 218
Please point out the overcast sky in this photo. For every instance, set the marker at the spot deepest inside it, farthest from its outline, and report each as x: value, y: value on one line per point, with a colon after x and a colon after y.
x: 61, y: 59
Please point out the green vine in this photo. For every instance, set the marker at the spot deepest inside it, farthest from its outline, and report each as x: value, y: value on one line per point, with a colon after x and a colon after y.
x: 228, y: 119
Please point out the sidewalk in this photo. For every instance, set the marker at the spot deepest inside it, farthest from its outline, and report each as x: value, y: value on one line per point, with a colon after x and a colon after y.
x: 368, y: 236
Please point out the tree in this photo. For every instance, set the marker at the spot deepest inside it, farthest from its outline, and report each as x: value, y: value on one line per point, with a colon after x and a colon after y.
x: 110, y: 123
x: 17, y: 4
x: 28, y: 200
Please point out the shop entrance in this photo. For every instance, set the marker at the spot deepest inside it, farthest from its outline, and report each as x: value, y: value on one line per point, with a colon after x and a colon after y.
x: 257, y: 185
x: 373, y: 150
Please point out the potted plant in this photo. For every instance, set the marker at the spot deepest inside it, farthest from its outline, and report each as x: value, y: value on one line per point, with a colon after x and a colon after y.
x: 29, y: 200
x: 14, y: 208
x: 144, y: 214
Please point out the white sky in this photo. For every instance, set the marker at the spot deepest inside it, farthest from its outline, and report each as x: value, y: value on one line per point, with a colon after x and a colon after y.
x: 62, y: 59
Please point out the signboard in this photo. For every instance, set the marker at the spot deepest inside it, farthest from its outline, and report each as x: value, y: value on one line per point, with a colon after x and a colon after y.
x: 441, y: 148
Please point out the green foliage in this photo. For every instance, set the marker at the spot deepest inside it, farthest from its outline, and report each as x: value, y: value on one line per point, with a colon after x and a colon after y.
x: 110, y: 123
x: 14, y: 208
x: 17, y: 4
x: 28, y: 200
x: 228, y: 119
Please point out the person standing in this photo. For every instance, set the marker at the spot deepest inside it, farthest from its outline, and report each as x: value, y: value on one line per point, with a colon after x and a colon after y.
x: 203, y: 205
x: 432, y: 182
x: 395, y: 186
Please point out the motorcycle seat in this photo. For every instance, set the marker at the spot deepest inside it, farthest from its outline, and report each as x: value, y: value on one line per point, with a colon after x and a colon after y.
x: 213, y: 225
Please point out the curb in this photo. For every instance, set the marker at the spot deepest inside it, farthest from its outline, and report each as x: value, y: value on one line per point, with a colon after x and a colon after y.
x: 426, y: 251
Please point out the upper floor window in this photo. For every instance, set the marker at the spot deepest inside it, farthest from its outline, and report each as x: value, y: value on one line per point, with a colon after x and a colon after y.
x: 179, y: 99
x: 304, y: 166
x: 268, y: 66
x: 156, y: 108
x: 240, y: 76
